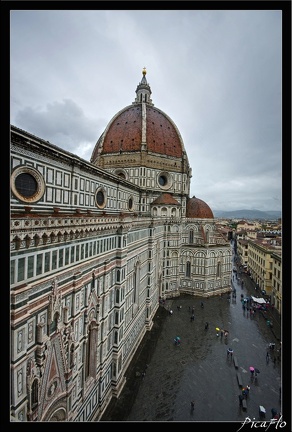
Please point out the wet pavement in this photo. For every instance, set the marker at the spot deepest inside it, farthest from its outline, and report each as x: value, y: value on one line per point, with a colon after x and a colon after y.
x: 199, y: 368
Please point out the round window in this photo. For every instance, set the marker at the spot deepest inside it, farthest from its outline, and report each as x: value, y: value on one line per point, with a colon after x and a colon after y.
x: 27, y: 184
x: 100, y: 198
x: 162, y: 180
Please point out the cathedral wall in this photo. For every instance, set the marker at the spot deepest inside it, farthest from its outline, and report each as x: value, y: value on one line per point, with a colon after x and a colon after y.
x: 88, y: 266
x: 83, y: 290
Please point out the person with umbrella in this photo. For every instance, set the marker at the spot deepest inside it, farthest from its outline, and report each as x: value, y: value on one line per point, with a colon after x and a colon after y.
x: 251, y: 368
x: 245, y: 391
x: 230, y: 352
x: 262, y: 411
x: 177, y: 340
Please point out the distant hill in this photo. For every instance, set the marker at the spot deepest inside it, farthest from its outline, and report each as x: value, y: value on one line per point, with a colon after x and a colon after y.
x: 248, y: 214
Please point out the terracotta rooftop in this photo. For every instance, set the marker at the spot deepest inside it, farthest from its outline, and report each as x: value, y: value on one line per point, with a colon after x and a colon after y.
x: 165, y: 198
x: 197, y: 208
x: 125, y: 133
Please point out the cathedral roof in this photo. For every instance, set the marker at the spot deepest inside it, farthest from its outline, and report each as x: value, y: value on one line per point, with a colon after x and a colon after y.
x: 165, y: 198
x: 140, y: 126
x: 197, y: 208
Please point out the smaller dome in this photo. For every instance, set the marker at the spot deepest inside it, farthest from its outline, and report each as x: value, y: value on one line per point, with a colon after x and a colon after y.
x: 165, y: 199
x: 197, y: 208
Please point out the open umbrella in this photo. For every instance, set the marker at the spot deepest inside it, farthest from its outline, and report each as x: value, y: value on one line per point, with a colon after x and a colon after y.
x: 251, y: 368
x: 217, y: 328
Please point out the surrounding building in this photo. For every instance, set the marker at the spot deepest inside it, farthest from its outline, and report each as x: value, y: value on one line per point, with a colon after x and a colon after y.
x: 276, y: 295
x: 262, y: 255
x: 259, y: 252
x: 95, y: 246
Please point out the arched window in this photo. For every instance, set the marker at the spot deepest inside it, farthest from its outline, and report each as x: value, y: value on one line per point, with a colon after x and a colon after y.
x: 91, y: 351
x: 54, y: 323
x: 219, y: 269
x: 34, y: 393
x: 188, y: 269
x: 207, y: 236
x: 136, y: 280
x: 72, y: 356
x: 191, y: 236
x: 93, y: 281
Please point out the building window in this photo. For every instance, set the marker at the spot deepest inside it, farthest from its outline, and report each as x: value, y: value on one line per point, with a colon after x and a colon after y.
x: 188, y: 269
x: 27, y: 184
x: 34, y: 393
x: 100, y: 198
x: 130, y: 203
x: 164, y: 180
x: 191, y: 238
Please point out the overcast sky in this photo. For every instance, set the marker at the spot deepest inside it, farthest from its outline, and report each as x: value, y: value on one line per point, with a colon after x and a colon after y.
x: 216, y: 74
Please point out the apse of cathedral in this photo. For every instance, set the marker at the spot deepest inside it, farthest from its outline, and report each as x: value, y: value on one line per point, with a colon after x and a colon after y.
x: 94, y: 246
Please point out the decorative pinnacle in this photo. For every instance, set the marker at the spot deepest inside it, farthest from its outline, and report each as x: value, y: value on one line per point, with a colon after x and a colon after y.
x: 144, y: 72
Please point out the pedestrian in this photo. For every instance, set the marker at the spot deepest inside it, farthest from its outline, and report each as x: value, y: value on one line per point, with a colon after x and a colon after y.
x: 245, y: 391
x: 202, y: 304
x: 192, y: 317
x: 267, y: 357
x: 230, y: 352
x: 206, y: 325
x: 192, y: 405
x: 170, y: 312
x: 240, y: 397
x: 177, y: 340
x: 221, y: 333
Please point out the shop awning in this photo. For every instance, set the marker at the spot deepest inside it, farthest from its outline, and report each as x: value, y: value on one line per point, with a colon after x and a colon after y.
x: 258, y: 300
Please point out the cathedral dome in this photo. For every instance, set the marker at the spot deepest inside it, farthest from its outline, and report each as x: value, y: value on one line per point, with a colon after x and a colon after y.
x: 197, y: 208
x: 125, y: 133
x: 142, y: 129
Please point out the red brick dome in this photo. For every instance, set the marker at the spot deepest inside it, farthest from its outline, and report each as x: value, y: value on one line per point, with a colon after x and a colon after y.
x: 124, y: 133
x: 140, y: 127
x: 197, y: 208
